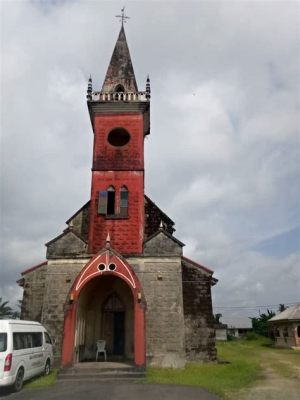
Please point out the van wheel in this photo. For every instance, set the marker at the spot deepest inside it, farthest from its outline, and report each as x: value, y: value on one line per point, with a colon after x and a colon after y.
x: 19, y: 380
x: 47, y: 368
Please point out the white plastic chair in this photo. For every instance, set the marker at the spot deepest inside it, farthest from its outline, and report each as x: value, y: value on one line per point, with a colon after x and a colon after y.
x: 101, y: 348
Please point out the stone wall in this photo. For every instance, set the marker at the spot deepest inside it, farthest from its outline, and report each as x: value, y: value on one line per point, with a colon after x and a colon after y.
x: 58, y: 281
x: 198, y: 316
x: 79, y: 222
x: 162, y: 244
x: 33, y: 294
x: 161, y: 281
x: 66, y: 245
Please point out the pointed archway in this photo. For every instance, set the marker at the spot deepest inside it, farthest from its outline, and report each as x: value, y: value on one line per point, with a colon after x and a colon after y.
x: 105, y: 271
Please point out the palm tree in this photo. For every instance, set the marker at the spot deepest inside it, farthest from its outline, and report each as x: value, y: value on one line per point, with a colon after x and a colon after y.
x: 5, y: 310
x: 217, y: 318
x: 281, y: 307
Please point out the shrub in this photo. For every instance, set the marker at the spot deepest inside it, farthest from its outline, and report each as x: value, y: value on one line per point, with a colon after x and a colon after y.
x: 251, y: 336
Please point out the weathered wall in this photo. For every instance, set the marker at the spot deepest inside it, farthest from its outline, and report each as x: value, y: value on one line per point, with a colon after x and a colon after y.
x: 285, y: 334
x: 66, y: 245
x: 161, y: 281
x: 59, y: 278
x: 198, y: 316
x: 129, y: 157
x: 80, y: 222
x: 153, y: 217
x: 161, y: 244
x: 33, y: 294
x: 126, y: 233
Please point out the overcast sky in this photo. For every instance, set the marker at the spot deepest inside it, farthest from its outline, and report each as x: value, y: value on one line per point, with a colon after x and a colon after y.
x: 223, y: 156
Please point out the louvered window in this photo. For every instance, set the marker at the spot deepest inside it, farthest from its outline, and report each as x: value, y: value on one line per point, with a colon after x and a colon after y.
x: 106, y: 203
x: 123, y: 201
x: 102, y: 203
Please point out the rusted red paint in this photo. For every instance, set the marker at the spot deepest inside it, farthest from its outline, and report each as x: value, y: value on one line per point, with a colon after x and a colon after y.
x: 122, y: 270
x: 118, y: 166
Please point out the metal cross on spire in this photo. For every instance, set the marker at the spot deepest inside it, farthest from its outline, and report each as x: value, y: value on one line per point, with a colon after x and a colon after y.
x: 123, y: 17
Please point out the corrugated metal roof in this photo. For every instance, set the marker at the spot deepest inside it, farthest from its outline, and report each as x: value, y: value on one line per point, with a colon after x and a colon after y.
x: 291, y: 313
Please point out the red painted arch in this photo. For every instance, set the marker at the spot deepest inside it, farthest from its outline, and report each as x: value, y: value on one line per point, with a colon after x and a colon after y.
x: 106, y: 262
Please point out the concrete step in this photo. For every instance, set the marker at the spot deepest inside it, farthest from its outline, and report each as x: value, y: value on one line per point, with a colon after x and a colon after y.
x: 101, y: 372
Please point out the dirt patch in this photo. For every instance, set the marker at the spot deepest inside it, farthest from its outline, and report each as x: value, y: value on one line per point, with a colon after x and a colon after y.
x: 280, y: 379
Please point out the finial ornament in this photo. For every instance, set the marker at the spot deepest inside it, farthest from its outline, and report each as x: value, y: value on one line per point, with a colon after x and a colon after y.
x: 108, y: 241
x: 123, y: 17
x: 89, y: 88
x: 148, y: 90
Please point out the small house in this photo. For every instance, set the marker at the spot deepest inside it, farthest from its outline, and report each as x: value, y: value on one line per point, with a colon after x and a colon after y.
x: 285, y: 328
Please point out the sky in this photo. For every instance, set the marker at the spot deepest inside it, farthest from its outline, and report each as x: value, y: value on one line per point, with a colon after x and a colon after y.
x: 223, y: 156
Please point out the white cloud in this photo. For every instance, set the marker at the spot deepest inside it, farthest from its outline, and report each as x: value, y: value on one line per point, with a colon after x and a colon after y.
x: 223, y: 155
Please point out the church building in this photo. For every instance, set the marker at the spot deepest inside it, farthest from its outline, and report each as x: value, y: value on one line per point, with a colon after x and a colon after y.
x: 117, y: 272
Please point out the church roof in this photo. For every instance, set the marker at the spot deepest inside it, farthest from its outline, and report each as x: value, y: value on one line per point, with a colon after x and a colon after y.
x: 120, y: 69
x: 30, y: 269
x: 161, y: 230
x: 195, y: 264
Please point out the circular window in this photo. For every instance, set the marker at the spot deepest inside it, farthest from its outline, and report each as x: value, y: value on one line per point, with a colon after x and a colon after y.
x: 118, y: 137
x: 101, y: 267
x: 112, y: 267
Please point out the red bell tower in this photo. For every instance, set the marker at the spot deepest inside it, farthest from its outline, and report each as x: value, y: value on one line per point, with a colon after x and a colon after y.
x: 120, y: 117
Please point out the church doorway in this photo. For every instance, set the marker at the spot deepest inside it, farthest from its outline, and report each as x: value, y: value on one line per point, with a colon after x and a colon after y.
x: 114, y: 325
x: 105, y: 303
x: 105, y: 312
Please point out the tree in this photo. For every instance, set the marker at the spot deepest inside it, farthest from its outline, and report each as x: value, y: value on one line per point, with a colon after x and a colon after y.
x: 260, y: 325
x: 281, y: 307
x: 5, y: 310
x: 217, y: 318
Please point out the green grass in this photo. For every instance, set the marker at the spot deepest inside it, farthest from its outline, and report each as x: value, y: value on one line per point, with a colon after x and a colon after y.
x: 42, y: 381
x: 243, y: 368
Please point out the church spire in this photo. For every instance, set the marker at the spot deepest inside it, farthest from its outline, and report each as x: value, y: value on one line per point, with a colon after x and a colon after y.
x: 120, y: 75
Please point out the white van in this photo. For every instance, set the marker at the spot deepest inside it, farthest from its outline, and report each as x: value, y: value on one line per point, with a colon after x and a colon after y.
x: 25, y: 351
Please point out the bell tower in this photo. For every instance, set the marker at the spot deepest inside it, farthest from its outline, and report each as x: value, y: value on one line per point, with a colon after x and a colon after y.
x: 120, y: 117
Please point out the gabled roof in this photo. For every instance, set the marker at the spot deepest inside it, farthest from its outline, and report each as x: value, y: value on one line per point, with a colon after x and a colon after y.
x: 166, y: 234
x: 120, y: 69
x: 290, y: 314
x: 33, y: 268
x: 155, y: 205
x: 205, y: 269
x: 78, y: 211
x: 65, y: 232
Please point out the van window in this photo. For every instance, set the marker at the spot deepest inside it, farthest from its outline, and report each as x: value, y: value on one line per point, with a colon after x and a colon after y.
x: 3, y: 342
x: 47, y: 338
x: 27, y: 340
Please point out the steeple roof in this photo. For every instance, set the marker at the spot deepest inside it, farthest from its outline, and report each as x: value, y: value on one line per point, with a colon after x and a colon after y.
x: 120, y: 69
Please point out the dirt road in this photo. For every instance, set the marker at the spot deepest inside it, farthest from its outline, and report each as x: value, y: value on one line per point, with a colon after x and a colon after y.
x: 280, y: 380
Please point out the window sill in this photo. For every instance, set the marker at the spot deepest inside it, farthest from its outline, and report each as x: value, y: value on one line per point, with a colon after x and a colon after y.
x: 116, y: 216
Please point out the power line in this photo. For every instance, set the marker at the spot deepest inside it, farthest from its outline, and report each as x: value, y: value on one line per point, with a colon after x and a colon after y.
x: 253, y: 307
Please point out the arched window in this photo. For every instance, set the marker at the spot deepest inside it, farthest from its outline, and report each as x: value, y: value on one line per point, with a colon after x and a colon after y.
x: 124, y: 201
x: 113, y: 304
x: 119, y: 89
x: 106, y: 203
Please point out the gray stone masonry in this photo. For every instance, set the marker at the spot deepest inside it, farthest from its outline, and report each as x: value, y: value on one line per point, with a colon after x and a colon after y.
x: 162, y: 244
x: 66, y: 245
x: 161, y: 281
x: 33, y: 294
x: 198, y: 316
x: 59, y: 278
